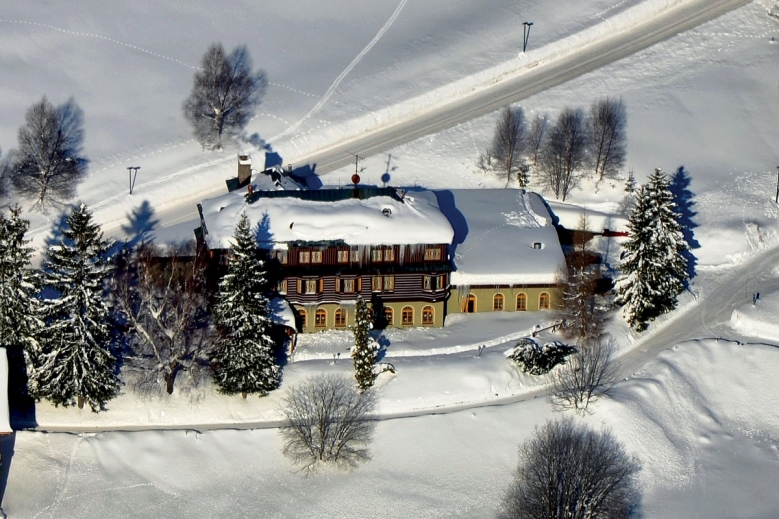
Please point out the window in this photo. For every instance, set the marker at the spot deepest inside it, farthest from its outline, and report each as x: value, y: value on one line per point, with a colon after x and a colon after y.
x: 439, y: 282
x: 281, y: 286
x: 407, y: 316
x: 433, y: 283
x: 311, y: 286
x: 355, y: 256
x: 304, y: 257
x: 316, y: 256
x: 389, y: 254
x: 281, y: 255
x: 427, y: 315
x: 303, y: 316
x: 320, y: 318
x: 388, y: 313
x: 389, y: 283
x: 340, y: 318
x: 376, y: 284
x: 375, y: 255
x: 348, y: 286
x: 521, y: 302
x: 543, y: 301
x: 497, y: 303
x: 432, y: 254
x: 343, y: 256
x: 427, y: 283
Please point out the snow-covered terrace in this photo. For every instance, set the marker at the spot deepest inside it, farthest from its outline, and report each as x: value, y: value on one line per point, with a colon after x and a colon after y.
x: 502, y: 237
x: 376, y: 220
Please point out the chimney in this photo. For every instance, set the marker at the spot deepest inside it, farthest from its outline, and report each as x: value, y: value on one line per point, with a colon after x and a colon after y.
x: 244, y: 169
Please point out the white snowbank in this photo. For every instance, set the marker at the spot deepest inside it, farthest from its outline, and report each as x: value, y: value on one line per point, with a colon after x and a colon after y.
x: 568, y: 215
x: 5, y: 424
x: 502, y: 237
x: 414, y: 220
x: 760, y: 319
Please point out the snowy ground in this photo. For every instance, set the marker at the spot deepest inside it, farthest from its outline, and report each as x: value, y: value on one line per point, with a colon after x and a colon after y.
x: 699, y: 416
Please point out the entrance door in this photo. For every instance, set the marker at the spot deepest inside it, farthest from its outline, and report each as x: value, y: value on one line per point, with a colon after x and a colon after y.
x: 470, y: 305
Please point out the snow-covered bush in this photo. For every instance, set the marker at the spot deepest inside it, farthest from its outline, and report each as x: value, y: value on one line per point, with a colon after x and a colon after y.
x: 328, y: 421
x: 536, y: 359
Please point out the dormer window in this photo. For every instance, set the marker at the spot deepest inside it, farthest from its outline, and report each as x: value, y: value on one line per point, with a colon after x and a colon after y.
x: 537, y: 245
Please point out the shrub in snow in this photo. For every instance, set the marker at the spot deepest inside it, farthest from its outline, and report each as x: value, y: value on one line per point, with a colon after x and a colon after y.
x: 585, y: 377
x: 654, y: 262
x: 365, y: 350
x: 537, y: 360
x: 244, y: 359
x: 328, y: 421
x: 568, y: 470
x: 75, y: 363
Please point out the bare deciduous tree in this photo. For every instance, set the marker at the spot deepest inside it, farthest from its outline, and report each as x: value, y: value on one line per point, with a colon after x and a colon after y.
x: 163, y: 303
x: 328, y: 421
x: 509, y: 142
x: 581, y: 314
x: 224, y: 96
x: 607, y: 144
x: 568, y: 471
x: 564, y: 153
x: 586, y: 376
x: 48, y: 163
x: 536, y: 136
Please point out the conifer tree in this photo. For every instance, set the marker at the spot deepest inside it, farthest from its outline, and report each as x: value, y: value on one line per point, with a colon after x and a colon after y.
x: 19, y: 308
x: 654, y: 268
x: 76, y: 364
x: 244, y: 360
x: 365, y: 350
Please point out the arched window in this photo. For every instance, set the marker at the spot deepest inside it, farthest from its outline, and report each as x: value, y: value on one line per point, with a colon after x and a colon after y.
x: 407, y: 316
x: 388, y: 316
x: 303, y: 318
x: 340, y: 318
x: 543, y: 301
x: 428, y: 315
x: 521, y: 302
x: 497, y: 303
x: 470, y: 304
x: 320, y: 318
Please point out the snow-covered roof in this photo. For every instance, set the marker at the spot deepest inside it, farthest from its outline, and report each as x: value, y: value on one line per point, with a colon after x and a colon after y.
x: 281, y: 312
x: 373, y: 220
x: 5, y: 423
x: 502, y: 237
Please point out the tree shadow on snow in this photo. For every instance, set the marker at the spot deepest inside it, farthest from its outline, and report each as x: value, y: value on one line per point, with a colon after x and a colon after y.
x: 140, y: 222
x: 683, y: 197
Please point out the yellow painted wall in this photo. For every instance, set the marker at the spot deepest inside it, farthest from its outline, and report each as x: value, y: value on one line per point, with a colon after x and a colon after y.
x: 330, y: 308
x: 485, y: 297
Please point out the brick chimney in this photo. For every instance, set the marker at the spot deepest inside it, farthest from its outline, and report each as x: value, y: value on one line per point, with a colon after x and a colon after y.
x: 244, y: 169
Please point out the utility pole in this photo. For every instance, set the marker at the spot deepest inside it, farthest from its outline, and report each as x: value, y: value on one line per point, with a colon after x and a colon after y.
x: 132, y: 172
x: 357, y: 160
x: 525, y: 34
x: 777, y: 184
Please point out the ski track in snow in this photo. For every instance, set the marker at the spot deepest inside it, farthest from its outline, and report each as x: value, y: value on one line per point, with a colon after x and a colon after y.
x: 342, y: 75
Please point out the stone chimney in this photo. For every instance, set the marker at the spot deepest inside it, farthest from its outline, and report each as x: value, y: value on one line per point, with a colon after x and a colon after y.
x: 244, y: 169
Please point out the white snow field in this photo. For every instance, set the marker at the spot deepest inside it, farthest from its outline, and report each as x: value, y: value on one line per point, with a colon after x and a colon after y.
x: 700, y: 416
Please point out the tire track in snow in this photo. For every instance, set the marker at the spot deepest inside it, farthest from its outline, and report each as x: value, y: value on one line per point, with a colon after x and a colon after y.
x: 342, y: 75
x: 100, y: 37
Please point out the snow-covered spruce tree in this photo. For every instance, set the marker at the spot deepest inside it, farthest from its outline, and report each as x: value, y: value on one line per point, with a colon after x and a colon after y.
x: 365, y: 350
x: 19, y: 308
x: 76, y: 364
x: 244, y: 360
x: 654, y: 268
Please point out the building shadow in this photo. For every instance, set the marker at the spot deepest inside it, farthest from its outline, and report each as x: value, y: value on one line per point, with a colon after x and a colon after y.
x: 306, y: 176
x: 447, y: 204
x: 7, y: 444
x: 683, y: 197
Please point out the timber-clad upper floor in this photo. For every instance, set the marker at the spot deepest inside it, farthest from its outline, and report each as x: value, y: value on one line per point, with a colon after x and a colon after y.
x: 385, y: 256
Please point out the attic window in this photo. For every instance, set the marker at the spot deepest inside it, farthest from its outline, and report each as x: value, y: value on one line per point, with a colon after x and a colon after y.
x: 386, y: 212
x: 537, y: 245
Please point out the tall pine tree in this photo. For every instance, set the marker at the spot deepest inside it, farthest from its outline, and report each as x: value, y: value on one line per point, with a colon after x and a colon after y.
x: 19, y: 308
x: 654, y: 268
x: 365, y: 350
x: 244, y: 360
x: 76, y: 364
